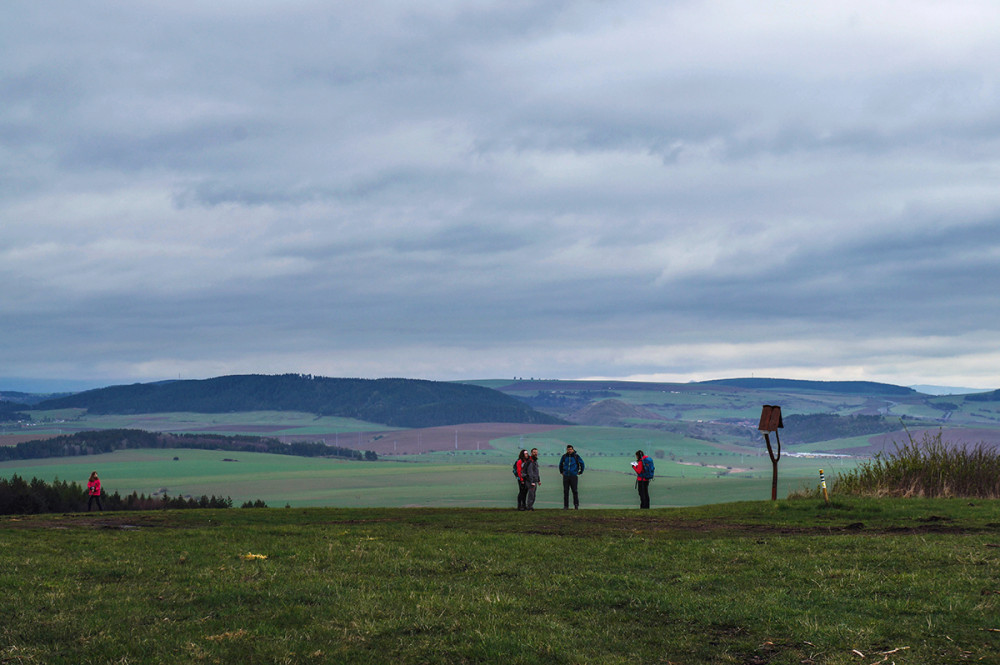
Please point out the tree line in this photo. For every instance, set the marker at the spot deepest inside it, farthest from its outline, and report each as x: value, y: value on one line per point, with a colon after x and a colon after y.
x: 21, y: 497
x: 106, y: 441
x: 13, y: 411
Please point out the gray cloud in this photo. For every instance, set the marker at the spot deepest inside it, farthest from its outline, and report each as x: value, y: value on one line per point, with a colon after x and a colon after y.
x: 629, y: 188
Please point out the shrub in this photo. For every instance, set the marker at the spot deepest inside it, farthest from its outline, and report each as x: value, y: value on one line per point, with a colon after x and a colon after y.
x: 928, y: 468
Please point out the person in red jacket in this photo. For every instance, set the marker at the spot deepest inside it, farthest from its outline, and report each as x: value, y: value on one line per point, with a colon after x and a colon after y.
x: 94, y: 490
x: 531, y: 479
x: 643, y: 467
x: 522, y: 487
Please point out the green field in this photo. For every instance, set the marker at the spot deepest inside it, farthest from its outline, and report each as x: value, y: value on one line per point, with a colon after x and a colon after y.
x: 259, y: 423
x: 909, y: 582
x: 689, y: 471
x: 463, y: 478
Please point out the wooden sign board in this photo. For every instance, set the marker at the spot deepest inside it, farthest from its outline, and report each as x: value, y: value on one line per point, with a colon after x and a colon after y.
x: 770, y: 418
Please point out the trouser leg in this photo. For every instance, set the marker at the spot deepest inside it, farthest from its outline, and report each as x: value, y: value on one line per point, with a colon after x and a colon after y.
x: 571, y: 483
x: 522, y: 494
x: 529, y: 501
x: 643, y: 494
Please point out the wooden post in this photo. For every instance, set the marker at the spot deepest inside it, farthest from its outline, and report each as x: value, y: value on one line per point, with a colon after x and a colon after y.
x: 770, y: 421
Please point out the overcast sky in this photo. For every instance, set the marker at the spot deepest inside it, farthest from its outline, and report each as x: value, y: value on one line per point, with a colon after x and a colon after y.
x: 455, y: 189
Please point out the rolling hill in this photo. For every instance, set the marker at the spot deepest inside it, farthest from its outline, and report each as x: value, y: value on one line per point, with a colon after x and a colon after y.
x: 864, y: 417
x: 846, y: 387
x: 727, y: 411
x: 393, y: 402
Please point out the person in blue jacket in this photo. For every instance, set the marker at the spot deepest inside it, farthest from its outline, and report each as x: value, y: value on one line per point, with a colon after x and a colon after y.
x: 571, y: 468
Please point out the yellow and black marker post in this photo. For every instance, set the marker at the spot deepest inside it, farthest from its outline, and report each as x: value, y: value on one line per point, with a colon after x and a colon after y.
x: 822, y: 483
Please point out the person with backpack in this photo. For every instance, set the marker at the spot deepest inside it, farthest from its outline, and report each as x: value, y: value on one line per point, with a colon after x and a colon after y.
x: 531, y: 479
x: 522, y: 488
x: 571, y: 468
x: 643, y: 467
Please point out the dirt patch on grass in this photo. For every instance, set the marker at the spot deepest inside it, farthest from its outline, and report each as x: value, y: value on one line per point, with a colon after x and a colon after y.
x: 552, y: 523
x: 629, y: 525
x: 117, y: 521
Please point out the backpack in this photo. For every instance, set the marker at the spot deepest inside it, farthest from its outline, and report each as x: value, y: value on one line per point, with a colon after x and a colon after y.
x: 515, y: 469
x: 647, y: 467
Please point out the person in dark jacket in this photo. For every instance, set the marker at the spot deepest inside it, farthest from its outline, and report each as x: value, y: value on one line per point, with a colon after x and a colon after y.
x: 531, y: 479
x: 522, y: 488
x: 571, y: 468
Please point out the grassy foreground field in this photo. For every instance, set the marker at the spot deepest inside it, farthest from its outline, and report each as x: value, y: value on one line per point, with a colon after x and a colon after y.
x: 865, y: 581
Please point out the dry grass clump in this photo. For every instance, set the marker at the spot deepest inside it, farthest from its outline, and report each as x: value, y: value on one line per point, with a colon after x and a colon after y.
x: 927, y: 468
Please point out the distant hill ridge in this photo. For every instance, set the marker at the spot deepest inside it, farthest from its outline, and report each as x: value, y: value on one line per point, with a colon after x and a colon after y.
x: 851, y: 387
x: 393, y: 402
x: 845, y: 387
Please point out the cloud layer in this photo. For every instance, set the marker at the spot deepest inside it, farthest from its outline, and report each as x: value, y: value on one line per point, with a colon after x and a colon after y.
x: 678, y: 190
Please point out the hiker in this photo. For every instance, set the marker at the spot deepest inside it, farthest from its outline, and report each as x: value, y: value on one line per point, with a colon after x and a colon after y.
x: 522, y: 488
x: 531, y: 479
x: 94, y: 490
x: 643, y: 467
x: 571, y: 468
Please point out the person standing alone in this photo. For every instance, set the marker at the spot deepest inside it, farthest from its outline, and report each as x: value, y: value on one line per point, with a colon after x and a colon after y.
x: 571, y: 468
x: 94, y: 490
x: 643, y: 474
x: 531, y: 478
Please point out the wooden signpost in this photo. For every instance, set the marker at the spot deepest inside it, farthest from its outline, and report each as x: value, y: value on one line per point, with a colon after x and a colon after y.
x: 770, y: 421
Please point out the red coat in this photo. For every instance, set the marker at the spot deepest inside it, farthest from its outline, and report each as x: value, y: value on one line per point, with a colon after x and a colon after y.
x: 94, y: 487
